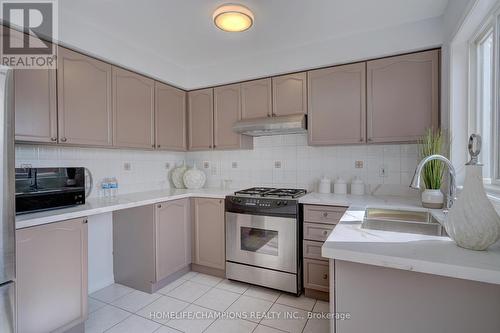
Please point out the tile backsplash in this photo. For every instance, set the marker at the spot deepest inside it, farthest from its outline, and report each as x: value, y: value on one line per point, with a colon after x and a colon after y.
x: 284, y: 160
x: 135, y: 170
x: 287, y: 160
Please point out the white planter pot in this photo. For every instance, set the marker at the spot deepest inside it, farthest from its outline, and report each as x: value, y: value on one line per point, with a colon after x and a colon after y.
x: 432, y: 199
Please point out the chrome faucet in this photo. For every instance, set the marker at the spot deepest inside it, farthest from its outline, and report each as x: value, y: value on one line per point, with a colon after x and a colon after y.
x: 452, y: 187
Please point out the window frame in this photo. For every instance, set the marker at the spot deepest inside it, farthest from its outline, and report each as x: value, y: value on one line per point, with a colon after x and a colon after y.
x: 491, y: 25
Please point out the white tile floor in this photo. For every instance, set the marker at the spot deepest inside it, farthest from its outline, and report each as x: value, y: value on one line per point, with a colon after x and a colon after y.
x: 119, y: 309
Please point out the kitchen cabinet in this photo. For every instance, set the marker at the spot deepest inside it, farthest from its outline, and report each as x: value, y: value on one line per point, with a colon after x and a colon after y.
x: 290, y: 94
x: 173, y: 237
x: 84, y: 99
x: 51, y: 276
x: 151, y: 244
x: 319, y: 221
x: 403, y: 96
x: 227, y: 111
x: 35, y: 105
x: 170, y: 118
x: 337, y: 105
x: 256, y: 99
x: 200, y: 119
x: 133, y: 109
x: 209, y: 235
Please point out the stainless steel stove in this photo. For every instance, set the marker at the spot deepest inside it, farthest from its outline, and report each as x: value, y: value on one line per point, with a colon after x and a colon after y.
x: 262, y: 238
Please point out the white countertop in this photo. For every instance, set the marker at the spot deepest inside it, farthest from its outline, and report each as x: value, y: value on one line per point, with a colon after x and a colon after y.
x: 95, y: 206
x: 412, y: 252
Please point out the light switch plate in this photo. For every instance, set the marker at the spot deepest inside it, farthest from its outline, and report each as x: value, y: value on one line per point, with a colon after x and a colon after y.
x: 206, y: 165
x: 383, y: 171
x: 277, y: 164
x: 234, y: 165
x: 358, y: 164
x: 127, y: 166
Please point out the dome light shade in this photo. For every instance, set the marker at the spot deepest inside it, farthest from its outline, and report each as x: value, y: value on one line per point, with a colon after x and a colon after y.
x: 233, y: 18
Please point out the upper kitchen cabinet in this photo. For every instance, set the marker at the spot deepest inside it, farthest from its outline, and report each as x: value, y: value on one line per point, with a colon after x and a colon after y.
x: 290, y: 94
x: 256, y: 97
x: 84, y: 99
x: 133, y: 109
x: 170, y: 118
x: 200, y: 118
x: 35, y: 105
x: 227, y: 111
x: 337, y: 105
x: 403, y: 96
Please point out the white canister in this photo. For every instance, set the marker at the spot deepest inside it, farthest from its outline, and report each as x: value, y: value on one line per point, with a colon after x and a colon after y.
x: 340, y: 186
x: 325, y: 185
x: 357, y: 186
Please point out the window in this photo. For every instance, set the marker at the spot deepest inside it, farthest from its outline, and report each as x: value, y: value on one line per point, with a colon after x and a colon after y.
x: 483, y: 109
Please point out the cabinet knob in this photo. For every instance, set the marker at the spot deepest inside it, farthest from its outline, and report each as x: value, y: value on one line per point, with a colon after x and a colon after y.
x: 85, y: 221
x: 210, y: 146
x: 159, y: 206
x: 370, y: 139
x: 54, y: 139
x: 325, y: 232
x: 361, y: 140
x: 325, y: 276
x: 159, y: 146
x: 325, y: 214
x: 153, y: 145
x: 64, y: 139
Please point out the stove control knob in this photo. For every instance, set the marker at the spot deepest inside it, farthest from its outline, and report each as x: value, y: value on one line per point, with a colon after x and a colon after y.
x: 278, y: 203
x: 285, y: 203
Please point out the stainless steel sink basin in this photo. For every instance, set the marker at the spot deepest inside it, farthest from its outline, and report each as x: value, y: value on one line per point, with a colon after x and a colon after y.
x: 413, y: 222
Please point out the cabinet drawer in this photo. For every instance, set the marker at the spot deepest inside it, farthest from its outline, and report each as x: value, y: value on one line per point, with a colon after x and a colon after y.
x: 317, y: 231
x: 316, y: 275
x: 323, y: 214
x: 312, y: 250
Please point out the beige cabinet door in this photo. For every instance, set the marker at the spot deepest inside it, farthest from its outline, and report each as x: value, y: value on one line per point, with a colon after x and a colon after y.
x: 337, y: 105
x: 256, y: 99
x: 35, y: 105
x: 83, y: 99
x: 51, y: 276
x: 173, y: 237
x: 290, y: 94
x: 200, y: 115
x: 227, y: 111
x: 403, y: 96
x: 170, y: 118
x: 209, y: 235
x: 133, y: 109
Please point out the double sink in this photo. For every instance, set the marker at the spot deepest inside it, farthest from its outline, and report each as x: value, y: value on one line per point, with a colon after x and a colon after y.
x: 407, y: 221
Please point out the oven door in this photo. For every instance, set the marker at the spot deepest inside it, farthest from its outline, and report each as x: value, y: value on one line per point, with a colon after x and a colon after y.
x: 263, y: 241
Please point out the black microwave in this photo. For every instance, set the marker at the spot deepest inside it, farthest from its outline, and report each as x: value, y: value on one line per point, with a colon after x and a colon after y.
x: 39, y: 189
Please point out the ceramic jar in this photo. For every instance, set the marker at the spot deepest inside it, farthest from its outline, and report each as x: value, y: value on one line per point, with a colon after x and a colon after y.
x: 325, y: 185
x: 340, y: 186
x: 357, y: 186
x: 194, y: 178
x: 432, y: 199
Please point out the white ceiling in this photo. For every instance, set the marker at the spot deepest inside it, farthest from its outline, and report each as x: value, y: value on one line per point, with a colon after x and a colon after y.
x: 174, y: 39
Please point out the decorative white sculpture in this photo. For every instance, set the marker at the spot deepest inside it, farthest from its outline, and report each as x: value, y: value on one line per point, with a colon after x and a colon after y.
x: 177, y: 176
x: 472, y: 221
x: 194, y: 178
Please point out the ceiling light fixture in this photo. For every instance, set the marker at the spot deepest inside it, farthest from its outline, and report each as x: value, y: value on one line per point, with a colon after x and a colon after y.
x: 233, y: 18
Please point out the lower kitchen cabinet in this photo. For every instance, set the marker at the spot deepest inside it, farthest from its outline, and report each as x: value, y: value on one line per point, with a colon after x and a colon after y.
x: 51, y: 270
x: 151, y: 244
x: 209, y: 235
x: 319, y: 221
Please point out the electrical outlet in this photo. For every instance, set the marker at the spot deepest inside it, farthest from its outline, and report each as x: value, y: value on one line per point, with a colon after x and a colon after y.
x: 206, y: 165
x: 358, y: 164
x: 127, y: 166
x: 234, y: 165
x: 383, y: 171
x: 277, y: 164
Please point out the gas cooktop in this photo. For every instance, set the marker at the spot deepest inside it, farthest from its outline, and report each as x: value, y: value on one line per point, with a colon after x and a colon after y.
x: 269, y: 192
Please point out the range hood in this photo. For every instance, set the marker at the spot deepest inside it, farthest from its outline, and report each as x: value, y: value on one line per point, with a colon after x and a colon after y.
x: 292, y: 124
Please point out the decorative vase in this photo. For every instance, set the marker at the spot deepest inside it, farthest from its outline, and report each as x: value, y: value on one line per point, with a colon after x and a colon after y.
x: 194, y: 178
x: 472, y: 221
x: 177, y: 176
x: 432, y: 199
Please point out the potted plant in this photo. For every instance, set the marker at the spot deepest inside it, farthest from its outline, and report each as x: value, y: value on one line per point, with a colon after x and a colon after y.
x: 430, y: 144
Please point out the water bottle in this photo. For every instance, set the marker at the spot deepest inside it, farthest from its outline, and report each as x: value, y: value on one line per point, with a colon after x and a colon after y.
x: 104, y: 191
x: 113, y: 187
